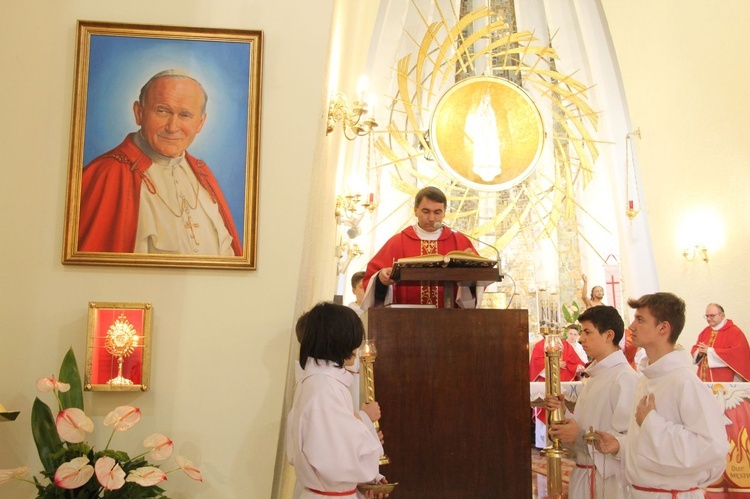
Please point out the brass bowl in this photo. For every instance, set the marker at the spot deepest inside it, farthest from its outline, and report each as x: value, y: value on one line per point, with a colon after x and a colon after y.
x: 378, y: 488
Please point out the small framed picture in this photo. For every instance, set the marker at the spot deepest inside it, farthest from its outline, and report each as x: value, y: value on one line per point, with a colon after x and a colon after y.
x: 118, y: 347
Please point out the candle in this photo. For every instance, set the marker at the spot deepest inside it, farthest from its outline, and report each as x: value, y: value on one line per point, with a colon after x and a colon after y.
x: 630, y: 204
x: 554, y: 312
x: 371, y: 198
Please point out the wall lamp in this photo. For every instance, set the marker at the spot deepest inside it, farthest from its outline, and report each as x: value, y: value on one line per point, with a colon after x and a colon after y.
x: 697, y: 250
x: 354, y: 120
x: 350, y: 209
x: 357, y: 120
x: 345, y: 253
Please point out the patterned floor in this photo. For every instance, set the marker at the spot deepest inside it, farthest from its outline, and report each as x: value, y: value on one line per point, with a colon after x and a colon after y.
x: 539, y: 477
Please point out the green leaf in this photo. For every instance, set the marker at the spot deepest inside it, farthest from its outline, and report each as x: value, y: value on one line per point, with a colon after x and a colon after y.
x: 45, y: 434
x: 69, y: 374
x: 571, y: 312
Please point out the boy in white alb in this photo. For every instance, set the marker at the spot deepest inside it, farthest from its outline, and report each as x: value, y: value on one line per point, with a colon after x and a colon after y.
x: 676, y: 442
x: 331, y: 447
x: 604, y: 404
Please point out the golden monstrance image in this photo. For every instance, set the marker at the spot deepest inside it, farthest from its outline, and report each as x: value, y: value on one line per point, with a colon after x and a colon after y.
x: 118, y: 354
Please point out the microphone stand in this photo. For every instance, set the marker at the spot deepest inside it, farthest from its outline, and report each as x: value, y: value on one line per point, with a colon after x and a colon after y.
x: 500, y: 276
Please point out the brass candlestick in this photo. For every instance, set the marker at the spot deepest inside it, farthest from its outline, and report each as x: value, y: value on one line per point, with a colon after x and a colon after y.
x: 367, y: 356
x: 554, y: 453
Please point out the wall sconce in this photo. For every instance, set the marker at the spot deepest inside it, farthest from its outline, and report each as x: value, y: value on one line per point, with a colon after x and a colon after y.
x: 351, y: 119
x: 697, y: 250
x: 350, y: 209
x: 346, y: 252
x: 354, y: 121
x: 691, y: 237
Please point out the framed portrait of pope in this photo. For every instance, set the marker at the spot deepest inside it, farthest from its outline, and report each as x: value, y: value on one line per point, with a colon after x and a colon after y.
x: 164, y: 147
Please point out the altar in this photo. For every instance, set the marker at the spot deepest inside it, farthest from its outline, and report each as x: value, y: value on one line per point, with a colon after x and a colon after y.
x: 734, y: 399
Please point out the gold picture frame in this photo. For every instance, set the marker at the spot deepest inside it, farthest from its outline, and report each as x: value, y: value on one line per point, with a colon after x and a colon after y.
x: 120, y: 209
x: 118, y: 347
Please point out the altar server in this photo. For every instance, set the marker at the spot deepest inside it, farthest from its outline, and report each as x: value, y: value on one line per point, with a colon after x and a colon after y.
x: 676, y: 442
x: 603, y: 403
x: 330, y: 446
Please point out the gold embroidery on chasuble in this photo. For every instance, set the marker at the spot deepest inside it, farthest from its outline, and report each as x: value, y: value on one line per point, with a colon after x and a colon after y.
x: 428, y: 295
x: 704, y: 371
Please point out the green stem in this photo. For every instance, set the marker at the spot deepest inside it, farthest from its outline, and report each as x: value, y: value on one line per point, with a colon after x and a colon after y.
x: 59, y: 402
x: 136, y: 457
x: 110, y: 438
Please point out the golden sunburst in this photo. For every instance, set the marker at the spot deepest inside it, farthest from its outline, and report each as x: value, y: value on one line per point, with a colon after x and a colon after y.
x: 482, y: 41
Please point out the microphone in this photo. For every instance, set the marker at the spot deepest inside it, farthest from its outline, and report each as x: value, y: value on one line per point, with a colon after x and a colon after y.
x: 438, y: 225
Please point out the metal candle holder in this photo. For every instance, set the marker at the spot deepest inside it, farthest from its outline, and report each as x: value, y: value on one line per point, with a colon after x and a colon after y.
x: 554, y: 453
x: 368, y: 354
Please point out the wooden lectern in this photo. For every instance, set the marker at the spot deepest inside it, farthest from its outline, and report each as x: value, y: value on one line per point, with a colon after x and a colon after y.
x: 454, y: 392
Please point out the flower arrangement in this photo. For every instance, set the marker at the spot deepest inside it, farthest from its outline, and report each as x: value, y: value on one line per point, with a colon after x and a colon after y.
x: 571, y: 312
x: 73, y: 468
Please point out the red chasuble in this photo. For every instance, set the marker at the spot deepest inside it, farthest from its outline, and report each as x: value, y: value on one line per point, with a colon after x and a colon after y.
x: 569, y: 356
x: 630, y: 350
x: 536, y: 366
x: 407, y: 243
x: 730, y: 344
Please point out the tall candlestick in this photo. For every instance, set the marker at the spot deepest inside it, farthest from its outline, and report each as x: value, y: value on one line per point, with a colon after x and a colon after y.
x: 554, y: 453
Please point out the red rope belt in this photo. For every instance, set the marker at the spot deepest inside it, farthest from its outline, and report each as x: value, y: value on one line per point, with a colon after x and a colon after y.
x: 673, y: 492
x: 592, y: 477
x: 333, y: 494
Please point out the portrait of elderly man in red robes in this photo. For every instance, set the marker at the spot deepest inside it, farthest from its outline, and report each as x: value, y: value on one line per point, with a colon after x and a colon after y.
x: 148, y: 194
x: 721, y: 351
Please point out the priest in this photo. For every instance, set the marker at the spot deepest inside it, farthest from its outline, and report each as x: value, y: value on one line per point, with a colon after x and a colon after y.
x: 427, y: 237
x: 722, y: 352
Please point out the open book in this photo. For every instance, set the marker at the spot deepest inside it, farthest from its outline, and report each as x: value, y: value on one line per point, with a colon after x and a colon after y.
x: 450, y: 259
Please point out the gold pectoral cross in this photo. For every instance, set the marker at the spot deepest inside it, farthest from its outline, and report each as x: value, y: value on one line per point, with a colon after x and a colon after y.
x: 191, y: 226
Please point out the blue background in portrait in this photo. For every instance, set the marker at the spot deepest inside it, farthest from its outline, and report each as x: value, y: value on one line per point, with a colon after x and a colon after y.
x: 120, y: 66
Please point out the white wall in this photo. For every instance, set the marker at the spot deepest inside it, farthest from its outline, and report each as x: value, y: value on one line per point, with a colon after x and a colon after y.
x: 685, y: 74
x: 220, y: 338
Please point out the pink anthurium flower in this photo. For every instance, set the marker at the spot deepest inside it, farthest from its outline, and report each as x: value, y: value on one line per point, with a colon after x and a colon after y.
x: 46, y: 385
x: 8, y: 475
x: 123, y: 417
x: 74, y: 473
x: 109, y: 473
x: 146, y: 476
x: 161, y: 447
x: 73, y: 424
x: 188, y: 468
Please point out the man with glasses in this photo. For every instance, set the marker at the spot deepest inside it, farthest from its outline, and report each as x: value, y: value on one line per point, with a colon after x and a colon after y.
x: 722, y: 352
